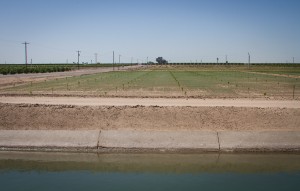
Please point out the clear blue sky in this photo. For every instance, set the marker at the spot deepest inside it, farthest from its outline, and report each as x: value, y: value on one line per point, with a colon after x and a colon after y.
x: 178, y: 30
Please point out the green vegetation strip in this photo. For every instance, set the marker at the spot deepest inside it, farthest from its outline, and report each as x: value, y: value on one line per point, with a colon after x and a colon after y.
x: 20, y: 69
x: 175, y: 81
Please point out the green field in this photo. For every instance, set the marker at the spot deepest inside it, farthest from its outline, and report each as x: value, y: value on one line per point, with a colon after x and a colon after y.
x: 177, y: 81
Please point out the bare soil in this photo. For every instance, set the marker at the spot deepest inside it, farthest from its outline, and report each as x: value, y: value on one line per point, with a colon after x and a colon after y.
x: 117, y: 101
x: 70, y: 113
x: 70, y: 117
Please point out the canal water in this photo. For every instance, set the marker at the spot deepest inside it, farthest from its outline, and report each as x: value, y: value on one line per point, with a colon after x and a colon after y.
x: 89, y: 171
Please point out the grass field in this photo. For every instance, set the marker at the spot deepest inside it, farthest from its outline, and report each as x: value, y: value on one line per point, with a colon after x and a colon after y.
x: 177, y: 81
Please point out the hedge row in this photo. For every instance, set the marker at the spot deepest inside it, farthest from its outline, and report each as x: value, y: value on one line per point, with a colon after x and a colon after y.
x: 35, y: 69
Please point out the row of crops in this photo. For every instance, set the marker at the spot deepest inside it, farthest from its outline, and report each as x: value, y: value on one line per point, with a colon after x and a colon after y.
x: 21, y: 69
x: 45, y: 68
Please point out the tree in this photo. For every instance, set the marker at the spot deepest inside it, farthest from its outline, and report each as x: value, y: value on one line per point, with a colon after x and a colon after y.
x: 160, y: 60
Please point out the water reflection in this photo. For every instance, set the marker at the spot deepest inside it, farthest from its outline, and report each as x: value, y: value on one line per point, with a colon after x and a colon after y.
x: 150, y: 163
x: 86, y: 171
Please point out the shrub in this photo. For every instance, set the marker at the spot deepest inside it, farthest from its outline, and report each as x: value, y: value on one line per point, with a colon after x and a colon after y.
x: 4, y: 72
x: 12, y: 71
x: 43, y: 70
x: 36, y: 70
x: 26, y: 70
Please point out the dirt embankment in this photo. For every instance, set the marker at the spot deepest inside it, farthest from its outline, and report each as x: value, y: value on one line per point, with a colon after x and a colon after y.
x: 35, y: 116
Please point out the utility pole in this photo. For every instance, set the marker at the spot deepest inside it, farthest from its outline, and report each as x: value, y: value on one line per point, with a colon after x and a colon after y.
x: 78, y: 55
x: 147, y: 59
x: 249, y: 59
x: 25, y: 52
x: 226, y: 59
x: 96, y: 58
x: 113, y: 60
x: 217, y: 60
x: 119, y: 61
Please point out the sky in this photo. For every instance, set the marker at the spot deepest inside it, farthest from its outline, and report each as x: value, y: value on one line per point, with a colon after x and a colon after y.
x: 178, y: 30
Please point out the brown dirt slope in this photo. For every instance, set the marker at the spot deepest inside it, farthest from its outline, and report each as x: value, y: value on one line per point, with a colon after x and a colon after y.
x: 35, y: 116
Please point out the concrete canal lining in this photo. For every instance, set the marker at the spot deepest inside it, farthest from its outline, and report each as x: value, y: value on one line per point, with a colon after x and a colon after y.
x: 48, y: 139
x: 260, y: 140
x: 159, y: 139
x: 97, y: 141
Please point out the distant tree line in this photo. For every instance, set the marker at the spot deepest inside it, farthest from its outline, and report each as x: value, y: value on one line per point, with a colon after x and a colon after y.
x: 18, y: 69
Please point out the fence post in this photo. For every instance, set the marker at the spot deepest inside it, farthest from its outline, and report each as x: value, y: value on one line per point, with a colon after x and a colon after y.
x: 294, y: 86
x: 248, y: 92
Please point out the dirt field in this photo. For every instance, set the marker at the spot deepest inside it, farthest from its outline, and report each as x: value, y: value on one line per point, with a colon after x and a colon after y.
x: 35, y: 116
x: 107, y: 112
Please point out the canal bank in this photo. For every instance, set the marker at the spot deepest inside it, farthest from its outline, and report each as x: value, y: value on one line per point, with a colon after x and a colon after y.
x: 149, y: 141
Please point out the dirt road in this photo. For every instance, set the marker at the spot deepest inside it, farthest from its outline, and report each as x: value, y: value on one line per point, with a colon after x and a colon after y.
x: 89, y: 101
x: 9, y: 80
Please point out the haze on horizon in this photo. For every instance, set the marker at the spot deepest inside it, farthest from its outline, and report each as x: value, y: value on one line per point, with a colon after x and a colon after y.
x: 178, y: 30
